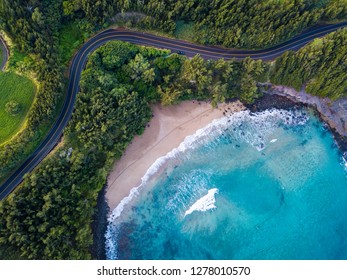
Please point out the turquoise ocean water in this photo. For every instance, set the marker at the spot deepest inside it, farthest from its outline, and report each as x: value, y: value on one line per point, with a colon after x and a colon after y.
x: 269, y: 185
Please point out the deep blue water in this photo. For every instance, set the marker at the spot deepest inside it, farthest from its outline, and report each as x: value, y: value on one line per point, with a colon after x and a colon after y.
x: 270, y: 185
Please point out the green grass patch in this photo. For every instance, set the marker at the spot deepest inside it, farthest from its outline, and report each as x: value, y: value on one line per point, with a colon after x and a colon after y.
x: 71, y: 37
x: 15, y: 58
x: 16, y: 96
x: 184, y: 31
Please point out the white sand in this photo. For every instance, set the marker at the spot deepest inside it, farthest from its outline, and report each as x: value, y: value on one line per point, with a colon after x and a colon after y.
x: 167, y: 129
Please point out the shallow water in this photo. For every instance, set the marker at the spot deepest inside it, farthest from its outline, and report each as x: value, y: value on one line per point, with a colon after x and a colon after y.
x: 270, y: 185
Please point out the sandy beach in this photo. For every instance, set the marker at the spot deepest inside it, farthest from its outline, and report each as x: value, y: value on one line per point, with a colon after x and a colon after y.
x: 167, y: 129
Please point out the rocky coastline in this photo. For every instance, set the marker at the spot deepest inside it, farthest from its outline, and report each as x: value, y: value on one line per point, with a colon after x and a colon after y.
x: 332, y: 113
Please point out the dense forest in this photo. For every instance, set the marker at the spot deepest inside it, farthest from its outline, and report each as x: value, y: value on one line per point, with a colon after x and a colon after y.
x: 49, y: 216
x: 321, y: 67
x: 251, y: 23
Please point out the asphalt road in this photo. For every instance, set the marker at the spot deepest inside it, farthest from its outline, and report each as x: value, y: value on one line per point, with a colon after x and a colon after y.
x: 4, y: 52
x: 190, y: 49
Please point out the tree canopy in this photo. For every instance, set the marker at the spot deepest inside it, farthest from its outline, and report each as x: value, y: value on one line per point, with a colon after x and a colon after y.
x: 321, y: 66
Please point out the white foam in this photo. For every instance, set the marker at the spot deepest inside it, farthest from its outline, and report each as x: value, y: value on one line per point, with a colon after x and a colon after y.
x: 203, y: 204
x: 111, y: 236
x: 344, y: 156
x: 119, y: 209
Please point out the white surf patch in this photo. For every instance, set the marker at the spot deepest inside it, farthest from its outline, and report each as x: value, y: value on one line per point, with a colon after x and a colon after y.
x: 203, y: 204
x: 344, y: 160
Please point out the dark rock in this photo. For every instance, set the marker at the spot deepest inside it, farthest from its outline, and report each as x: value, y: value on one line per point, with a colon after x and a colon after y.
x: 333, y: 114
x: 273, y: 101
x: 99, y: 226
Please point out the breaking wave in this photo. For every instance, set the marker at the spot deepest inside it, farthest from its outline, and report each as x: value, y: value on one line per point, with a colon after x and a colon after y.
x: 203, y: 204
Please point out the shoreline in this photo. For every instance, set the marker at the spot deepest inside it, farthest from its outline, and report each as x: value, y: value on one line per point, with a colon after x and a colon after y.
x: 174, y: 123
x: 166, y: 131
x: 275, y: 97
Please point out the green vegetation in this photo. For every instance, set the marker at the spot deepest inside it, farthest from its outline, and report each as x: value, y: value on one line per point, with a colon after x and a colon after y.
x: 16, y: 60
x: 184, y: 31
x: 17, y: 94
x: 245, y: 24
x: 72, y: 36
x: 12, y: 107
x: 33, y: 28
x: 321, y: 67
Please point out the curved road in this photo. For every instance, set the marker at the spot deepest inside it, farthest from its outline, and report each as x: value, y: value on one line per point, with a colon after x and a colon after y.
x: 4, y: 51
x: 190, y: 49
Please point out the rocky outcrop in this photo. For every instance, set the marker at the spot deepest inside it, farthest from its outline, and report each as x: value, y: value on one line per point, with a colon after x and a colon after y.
x: 334, y: 113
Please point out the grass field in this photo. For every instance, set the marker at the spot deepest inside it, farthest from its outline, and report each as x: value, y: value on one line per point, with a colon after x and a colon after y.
x: 20, y: 90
